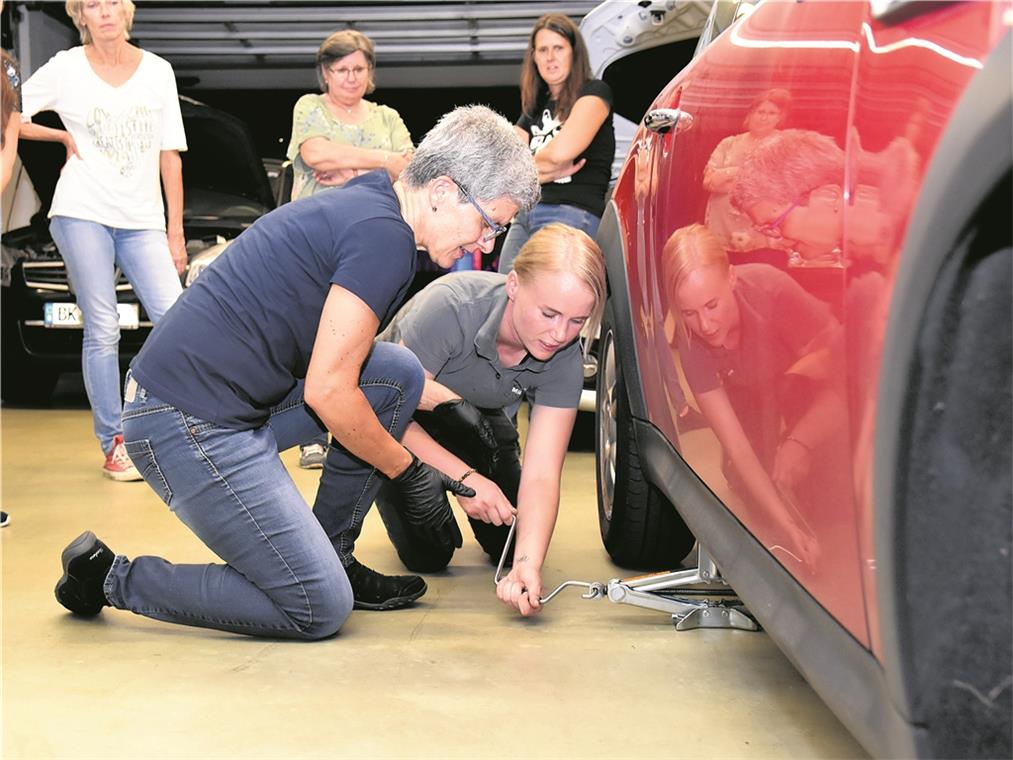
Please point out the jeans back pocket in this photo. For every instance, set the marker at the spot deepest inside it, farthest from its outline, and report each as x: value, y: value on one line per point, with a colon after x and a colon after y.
x: 143, y: 457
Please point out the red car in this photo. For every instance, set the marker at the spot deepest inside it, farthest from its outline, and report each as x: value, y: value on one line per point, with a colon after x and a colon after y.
x: 806, y: 358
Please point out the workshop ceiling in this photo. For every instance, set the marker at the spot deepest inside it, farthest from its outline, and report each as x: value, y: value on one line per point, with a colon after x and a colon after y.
x: 272, y: 43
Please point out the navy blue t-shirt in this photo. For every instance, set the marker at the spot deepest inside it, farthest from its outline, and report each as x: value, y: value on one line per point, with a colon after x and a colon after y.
x: 236, y: 342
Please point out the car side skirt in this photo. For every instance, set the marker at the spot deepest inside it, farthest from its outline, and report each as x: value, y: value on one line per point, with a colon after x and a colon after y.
x: 844, y: 673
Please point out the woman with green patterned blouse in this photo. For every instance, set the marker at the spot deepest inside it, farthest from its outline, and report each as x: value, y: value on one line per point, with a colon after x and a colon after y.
x: 338, y: 134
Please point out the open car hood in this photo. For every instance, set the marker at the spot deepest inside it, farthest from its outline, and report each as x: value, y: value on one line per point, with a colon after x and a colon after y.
x: 223, y: 177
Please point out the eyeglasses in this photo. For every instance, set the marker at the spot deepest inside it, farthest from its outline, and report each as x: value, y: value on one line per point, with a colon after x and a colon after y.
x: 495, y: 229
x: 772, y: 229
x: 344, y: 71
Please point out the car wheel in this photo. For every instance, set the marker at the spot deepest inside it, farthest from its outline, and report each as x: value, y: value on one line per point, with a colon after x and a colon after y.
x: 953, y: 577
x: 639, y: 527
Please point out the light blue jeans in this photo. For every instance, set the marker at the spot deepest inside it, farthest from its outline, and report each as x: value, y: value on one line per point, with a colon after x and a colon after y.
x: 282, y: 575
x: 91, y: 252
x: 527, y: 223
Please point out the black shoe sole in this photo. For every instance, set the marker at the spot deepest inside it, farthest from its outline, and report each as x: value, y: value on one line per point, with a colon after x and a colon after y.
x: 393, y: 603
x: 65, y: 595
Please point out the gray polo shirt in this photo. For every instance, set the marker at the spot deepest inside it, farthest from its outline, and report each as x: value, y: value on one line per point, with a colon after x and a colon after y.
x: 452, y: 325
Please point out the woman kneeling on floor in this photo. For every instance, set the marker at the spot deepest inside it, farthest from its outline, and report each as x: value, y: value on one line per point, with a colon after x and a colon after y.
x: 486, y: 341
x: 273, y: 344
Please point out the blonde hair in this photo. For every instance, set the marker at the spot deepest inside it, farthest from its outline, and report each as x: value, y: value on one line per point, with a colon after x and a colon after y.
x: 561, y: 248
x: 690, y: 249
x: 343, y: 43
x: 75, y: 9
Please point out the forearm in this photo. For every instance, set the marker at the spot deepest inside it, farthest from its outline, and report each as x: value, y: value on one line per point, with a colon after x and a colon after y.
x: 325, y: 155
x: 433, y: 394
x: 10, y: 151
x: 420, y: 443
x: 353, y: 423
x: 172, y: 180
x: 30, y: 131
x: 537, y: 508
x: 824, y: 417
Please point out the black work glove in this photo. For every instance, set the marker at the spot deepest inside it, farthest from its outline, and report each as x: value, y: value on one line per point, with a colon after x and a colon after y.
x: 424, y: 500
x: 462, y: 429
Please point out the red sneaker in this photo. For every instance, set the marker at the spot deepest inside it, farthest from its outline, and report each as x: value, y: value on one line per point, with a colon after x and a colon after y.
x: 118, y: 465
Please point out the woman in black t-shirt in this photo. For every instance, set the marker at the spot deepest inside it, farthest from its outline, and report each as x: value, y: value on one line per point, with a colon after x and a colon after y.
x: 566, y: 120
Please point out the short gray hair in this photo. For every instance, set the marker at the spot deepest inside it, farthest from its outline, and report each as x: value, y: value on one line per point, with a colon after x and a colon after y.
x: 478, y: 148
x: 788, y: 166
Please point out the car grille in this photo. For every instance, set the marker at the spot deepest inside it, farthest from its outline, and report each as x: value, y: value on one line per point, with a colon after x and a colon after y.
x: 52, y: 276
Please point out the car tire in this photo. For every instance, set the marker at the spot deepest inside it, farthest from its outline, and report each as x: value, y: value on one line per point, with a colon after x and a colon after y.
x: 953, y: 533
x: 640, y: 529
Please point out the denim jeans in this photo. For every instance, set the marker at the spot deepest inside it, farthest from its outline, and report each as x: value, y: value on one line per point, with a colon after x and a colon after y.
x: 527, y: 223
x: 91, y: 251
x: 282, y: 576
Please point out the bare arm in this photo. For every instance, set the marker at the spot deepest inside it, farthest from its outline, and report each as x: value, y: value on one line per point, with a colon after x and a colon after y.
x: 30, y: 131
x: 324, y: 155
x: 344, y: 339
x: 583, y: 123
x: 171, y: 167
x: 722, y: 418
x: 537, y: 505
x: 718, y: 176
x: 10, y: 149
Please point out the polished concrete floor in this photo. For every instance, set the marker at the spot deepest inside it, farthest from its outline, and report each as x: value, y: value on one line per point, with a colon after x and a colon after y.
x: 457, y: 675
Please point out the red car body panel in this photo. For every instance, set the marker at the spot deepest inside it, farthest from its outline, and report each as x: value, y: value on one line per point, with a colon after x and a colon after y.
x: 883, y: 91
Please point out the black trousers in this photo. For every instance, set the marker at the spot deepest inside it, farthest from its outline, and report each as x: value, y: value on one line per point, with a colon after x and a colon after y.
x: 503, y: 467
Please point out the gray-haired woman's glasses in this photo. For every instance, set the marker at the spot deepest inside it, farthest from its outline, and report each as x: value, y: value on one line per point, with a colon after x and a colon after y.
x: 495, y: 229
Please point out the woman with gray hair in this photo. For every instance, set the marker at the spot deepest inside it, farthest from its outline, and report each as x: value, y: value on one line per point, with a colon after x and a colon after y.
x: 339, y: 135
x: 124, y: 131
x: 274, y: 344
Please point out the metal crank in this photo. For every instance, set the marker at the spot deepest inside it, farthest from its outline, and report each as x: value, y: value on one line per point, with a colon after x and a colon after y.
x: 688, y: 595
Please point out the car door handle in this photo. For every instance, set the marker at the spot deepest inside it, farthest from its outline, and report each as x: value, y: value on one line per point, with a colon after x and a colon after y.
x: 663, y: 119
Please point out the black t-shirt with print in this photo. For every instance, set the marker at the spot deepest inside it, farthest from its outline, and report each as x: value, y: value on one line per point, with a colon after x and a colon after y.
x: 586, y: 189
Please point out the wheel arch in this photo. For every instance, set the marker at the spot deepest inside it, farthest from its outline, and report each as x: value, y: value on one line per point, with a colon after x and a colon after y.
x: 610, y: 239
x: 971, y: 163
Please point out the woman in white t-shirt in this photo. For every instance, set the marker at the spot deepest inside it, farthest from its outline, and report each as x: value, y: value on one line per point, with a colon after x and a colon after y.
x: 119, y: 106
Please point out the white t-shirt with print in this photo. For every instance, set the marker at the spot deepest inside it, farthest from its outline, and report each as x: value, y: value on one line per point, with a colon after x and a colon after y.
x: 119, y: 132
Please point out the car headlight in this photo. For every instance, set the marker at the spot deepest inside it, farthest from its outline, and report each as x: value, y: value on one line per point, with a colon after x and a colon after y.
x: 202, y: 261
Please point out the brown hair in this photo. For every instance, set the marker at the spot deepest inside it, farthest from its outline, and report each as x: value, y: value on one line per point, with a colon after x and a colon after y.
x: 777, y: 97
x: 8, y: 98
x: 561, y: 248
x: 532, y: 84
x: 75, y: 9
x: 343, y: 43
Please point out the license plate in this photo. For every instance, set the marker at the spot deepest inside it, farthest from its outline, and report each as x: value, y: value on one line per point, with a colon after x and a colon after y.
x: 68, y: 316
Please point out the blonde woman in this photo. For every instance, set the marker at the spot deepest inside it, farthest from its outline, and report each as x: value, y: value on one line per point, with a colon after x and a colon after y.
x: 486, y: 341
x: 121, y: 111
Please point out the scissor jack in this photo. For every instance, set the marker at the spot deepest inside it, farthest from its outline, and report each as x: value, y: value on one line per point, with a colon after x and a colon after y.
x: 697, y: 597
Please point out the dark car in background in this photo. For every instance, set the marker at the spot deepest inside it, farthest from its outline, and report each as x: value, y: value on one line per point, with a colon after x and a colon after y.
x: 845, y: 456
x: 226, y: 189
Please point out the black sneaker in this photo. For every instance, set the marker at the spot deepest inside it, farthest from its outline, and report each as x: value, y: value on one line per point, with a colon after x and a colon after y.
x: 375, y: 591
x: 5, y: 519
x: 86, y: 563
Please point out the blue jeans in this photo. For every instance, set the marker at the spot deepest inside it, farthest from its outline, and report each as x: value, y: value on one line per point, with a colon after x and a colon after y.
x: 527, y: 223
x: 282, y: 576
x: 91, y: 251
